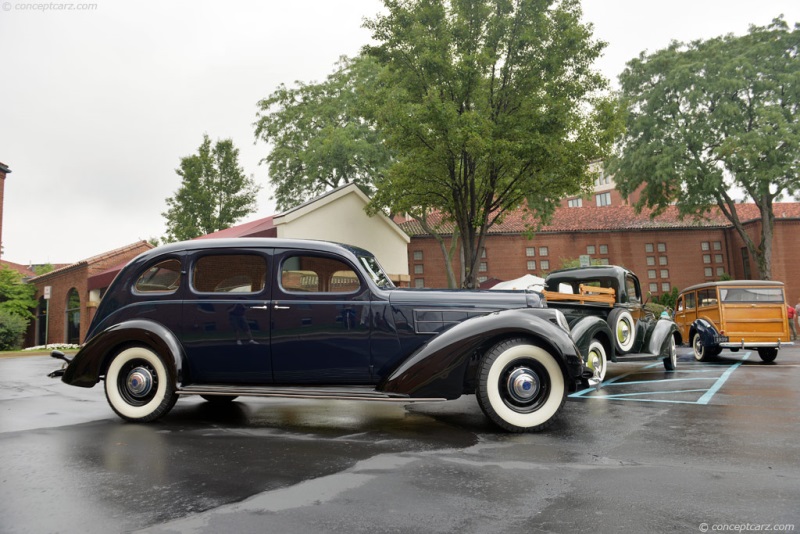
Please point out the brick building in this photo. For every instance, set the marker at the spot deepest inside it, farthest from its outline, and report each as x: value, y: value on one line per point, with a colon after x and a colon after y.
x: 665, y: 251
x: 75, y: 291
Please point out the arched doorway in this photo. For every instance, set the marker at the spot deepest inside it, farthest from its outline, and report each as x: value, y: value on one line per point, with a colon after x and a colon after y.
x: 73, y: 316
x: 41, y: 322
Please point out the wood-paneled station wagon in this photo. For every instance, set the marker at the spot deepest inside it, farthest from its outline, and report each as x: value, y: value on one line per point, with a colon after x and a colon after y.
x: 310, y: 319
x: 604, y: 305
x: 734, y: 314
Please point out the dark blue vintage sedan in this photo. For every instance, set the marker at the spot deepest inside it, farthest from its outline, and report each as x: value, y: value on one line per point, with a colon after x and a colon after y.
x: 310, y: 319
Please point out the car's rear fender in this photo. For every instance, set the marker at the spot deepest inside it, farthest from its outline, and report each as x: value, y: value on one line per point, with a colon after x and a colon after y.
x: 439, y: 368
x: 92, y: 360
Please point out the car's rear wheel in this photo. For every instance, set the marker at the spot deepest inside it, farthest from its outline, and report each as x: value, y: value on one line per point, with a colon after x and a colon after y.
x: 671, y: 360
x: 701, y: 352
x: 220, y: 399
x: 521, y: 386
x: 138, y: 385
x: 596, y: 360
x: 621, y: 323
x: 768, y: 354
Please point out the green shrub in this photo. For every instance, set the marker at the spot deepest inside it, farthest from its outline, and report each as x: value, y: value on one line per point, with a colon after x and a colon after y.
x: 12, y: 328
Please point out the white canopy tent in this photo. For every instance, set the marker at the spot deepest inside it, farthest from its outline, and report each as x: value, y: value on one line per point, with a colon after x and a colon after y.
x: 525, y: 282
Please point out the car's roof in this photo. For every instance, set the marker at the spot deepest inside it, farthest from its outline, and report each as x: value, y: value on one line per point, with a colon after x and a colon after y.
x: 734, y: 283
x: 253, y: 242
x: 590, y: 272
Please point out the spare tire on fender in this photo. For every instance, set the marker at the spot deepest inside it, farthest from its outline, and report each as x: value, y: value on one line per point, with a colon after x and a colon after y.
x: 622, y: 325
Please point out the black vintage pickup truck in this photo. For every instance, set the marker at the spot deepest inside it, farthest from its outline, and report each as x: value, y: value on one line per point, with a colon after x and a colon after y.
x: 311, y: 319
x: 613, y: 294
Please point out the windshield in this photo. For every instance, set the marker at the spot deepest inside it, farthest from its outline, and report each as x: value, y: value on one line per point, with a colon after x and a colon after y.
x: 376, y: 272
x: 751, y: 294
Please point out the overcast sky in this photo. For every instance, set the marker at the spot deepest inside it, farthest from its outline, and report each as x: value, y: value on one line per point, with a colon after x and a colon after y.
x: 98, y: 106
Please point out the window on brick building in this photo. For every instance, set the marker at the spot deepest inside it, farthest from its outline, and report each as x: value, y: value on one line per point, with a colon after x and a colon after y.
x: 706, y: 258
x: 717, y: 245
x: 483, y: 253
x: 418, y: 269
x: 665, y: 287
x: 575, y: 203
x: 417, y: 255
x: 662, y: 260
x: 545, y: 265
x: 662, y: 247
x: 531, y: 265
x: 482, y: 279
x: 720, y: 271
x: 664, y: 273
x: 603, y: 199
x: 482, y: 268
x: 651, y: 273
x: 648, y: 247
x: 543, y: 251
x: 603, y: 261
x: 530, y: 252
x: 603, y: 249
x: 651, y: 260
x: 419, y: 282
x: 653, y: 288
x: 590, y: 249
x: 73, y: 317
x: 717, y: 258
x: 704, y: 246
x: 709, y: 272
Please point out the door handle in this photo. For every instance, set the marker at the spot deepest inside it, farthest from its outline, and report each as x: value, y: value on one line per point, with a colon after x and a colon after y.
x: 279, y: 307
x: 259, y: 307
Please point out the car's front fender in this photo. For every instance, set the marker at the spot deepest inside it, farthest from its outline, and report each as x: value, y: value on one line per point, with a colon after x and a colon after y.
x: 706, y: 330
x: 662, y: 331
x: 593, y: 327
x: 437, y: 369
x: 92, y: 359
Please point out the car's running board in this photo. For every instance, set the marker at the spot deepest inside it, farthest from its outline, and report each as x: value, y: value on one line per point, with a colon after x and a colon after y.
x: 295, y: 392
x: 638, y: 357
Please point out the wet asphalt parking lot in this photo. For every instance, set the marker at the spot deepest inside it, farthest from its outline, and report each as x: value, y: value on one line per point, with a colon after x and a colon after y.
x: 711, y: 447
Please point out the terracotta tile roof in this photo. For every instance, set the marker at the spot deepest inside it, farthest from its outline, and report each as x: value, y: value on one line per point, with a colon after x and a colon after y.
x: 95, y: 259
x: 21, y: 269
x: 610, y: 219
x: 252, y: 228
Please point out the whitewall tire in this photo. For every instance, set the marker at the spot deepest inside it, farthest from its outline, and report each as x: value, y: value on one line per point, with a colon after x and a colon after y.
x: 624, y: 329
x: 138, y: 385
x: 521, y: 386
x: 597, y: 361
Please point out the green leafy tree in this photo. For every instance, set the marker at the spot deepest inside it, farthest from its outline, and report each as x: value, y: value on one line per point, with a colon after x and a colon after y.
x: 488, y: 105
x: 16, y: 297
x: 709, y: 118
x: 320, y: 136
x: 213, y: 195
x: 12, y: 328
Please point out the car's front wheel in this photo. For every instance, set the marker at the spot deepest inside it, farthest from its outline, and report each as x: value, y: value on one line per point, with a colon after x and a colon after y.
x: 701, y: 352
x: 138, y: 385
x: 521, y: 386
x: 671, y: 360
x: 768, y: 354
x: 596, y: 360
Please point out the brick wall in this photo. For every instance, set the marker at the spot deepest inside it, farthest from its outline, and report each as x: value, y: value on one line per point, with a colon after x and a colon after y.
x: 685, y: 259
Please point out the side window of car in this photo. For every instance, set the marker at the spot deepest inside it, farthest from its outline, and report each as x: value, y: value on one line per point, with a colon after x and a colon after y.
x: 707, y: 297
x: 631, y: 290
x: 690, y: 301
x: 679, y: 306
x: 316, y: 274
x: 163, y: 277
x: 229, y: 273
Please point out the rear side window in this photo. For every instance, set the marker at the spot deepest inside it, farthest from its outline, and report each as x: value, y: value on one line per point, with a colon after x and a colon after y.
x: 315, y: 274
x: 690, y: 301
x: 163, y: 277
x: 707, y: 297
x: 751, y: 294
x: 229, y: 273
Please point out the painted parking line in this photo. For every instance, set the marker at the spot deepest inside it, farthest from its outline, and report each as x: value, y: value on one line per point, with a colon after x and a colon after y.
x: 658, y: 396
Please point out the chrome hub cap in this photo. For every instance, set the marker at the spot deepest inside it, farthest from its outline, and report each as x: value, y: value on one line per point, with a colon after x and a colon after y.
x: 523, y: 384
x: 623, y: 332
x: 139, y: 382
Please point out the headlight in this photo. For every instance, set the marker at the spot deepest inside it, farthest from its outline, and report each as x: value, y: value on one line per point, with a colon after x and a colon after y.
x: 562, y: 320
